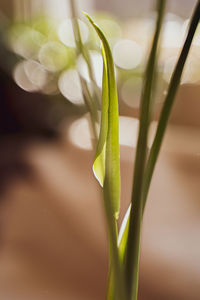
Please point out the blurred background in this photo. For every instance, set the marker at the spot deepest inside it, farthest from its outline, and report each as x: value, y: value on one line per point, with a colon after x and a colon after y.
x: 53, y: 233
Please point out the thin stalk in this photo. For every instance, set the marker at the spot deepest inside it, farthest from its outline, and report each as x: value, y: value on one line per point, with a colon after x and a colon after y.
x: 174, y: 83
x: 83, y: 50
x: 168, y: 104
x: 133, y: 242
x: 114, y: 262
x: 93, y: 113
x: 88, y: 99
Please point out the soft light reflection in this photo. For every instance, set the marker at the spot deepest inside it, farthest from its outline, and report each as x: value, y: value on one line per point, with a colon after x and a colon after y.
x: 22, y: 80
x: 111, y: 29
x: 54, y: 56
x: 191, y: 72
x: 127, y: 54
x: 70, y: 86
x: 169, y: 67
x: 51, y: 88
x: 36, y: 73
x: 30, y: 76
x: 66, y: 33
x: 172, y: 34
x: 141, y: 31
x: 196, y: 39
x: 128, y: 131
x: 23, y: 9
x: 97, y: 65
x: 25, y: 41
x: 131, y: 91
x: 52, y: 8
x: 80, y: 133
x: 81, y: 136
x: 123, y: 225
x: 47, y: 26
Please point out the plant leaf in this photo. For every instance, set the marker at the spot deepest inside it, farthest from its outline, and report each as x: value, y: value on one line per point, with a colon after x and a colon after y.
x: 112, y: 162
x: 107, y: 163
x: 174, y: 83
x: 169, y: 101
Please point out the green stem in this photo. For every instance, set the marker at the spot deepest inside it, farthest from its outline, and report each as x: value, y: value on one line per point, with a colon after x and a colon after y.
x: 175, y: 80
x: 85, y: 53
x: 168, y: 104
x: 174, y: 83
x: 115, y: 270
x: 92, y: 111
x: 88, y: 99
x: 133, y: 242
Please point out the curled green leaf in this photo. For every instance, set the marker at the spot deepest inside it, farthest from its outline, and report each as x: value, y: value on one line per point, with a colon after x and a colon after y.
x: 107, y: 163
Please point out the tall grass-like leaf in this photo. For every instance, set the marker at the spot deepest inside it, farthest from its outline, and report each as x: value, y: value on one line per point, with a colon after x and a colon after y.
x: 107, y: 163
x: 174, y: 83
x: 168, y: 103
x: 169, y: 100
x: 133, y: 241
x: 110, y: 116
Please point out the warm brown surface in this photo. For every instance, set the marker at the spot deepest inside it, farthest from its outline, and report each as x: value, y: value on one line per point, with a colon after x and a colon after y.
x: 53, y: 240
x: 52, y: 229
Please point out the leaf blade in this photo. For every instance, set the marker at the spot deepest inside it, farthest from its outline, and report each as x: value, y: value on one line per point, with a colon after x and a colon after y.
x: 112, y: 162
x: 111, y: 186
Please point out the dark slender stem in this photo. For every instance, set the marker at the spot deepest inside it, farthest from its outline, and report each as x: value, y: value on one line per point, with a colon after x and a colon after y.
x: 168, y: 104
x: 174, y: 83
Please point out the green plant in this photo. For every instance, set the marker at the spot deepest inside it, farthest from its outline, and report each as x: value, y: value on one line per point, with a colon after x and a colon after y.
x: 124, y: 251
x: 123, y: 279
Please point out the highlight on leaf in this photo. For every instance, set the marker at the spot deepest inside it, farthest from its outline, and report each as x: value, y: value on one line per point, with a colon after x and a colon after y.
x: 108, y: 145
x: 99, y: 162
